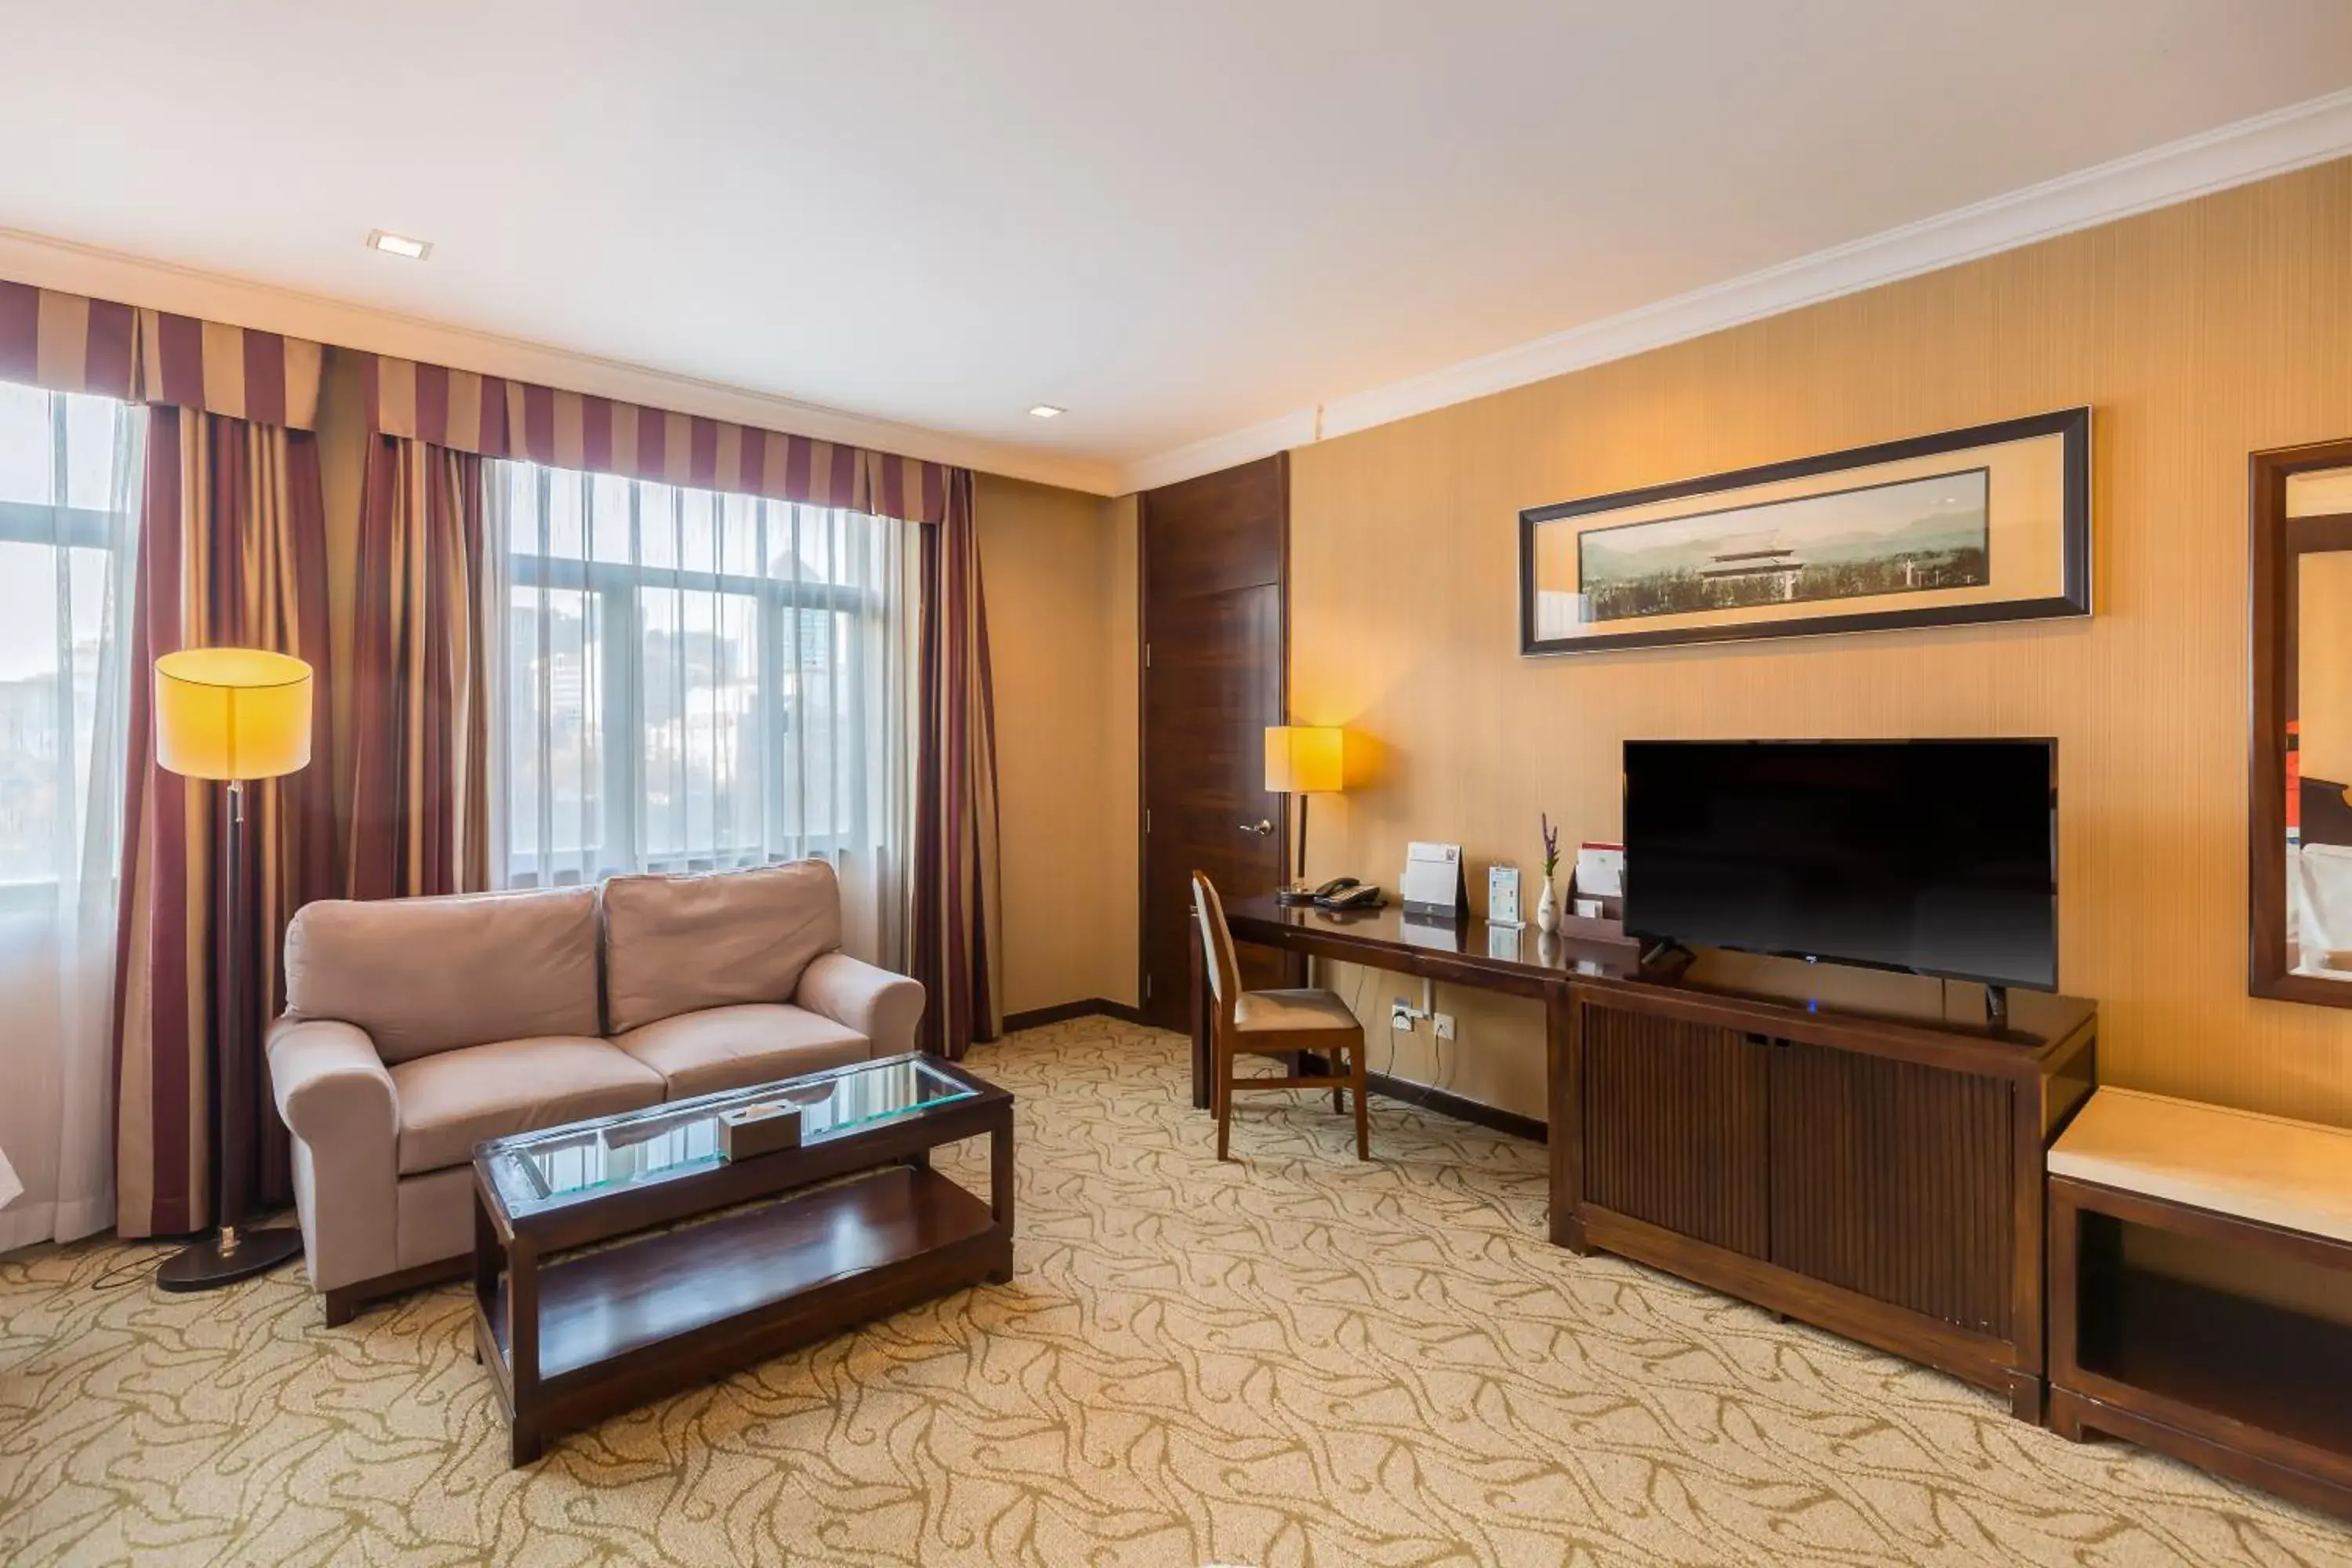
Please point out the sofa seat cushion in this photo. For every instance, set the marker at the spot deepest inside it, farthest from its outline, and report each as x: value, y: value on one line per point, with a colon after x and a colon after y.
x: 451, y: 1101
x: 735, y: 1047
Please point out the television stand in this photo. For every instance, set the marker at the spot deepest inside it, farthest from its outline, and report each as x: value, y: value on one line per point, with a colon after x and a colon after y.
x: 1997, y: 1006
x: 1876, y: 1174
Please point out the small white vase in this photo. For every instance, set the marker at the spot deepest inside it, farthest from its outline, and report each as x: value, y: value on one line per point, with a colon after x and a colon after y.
x: 1547, y: 911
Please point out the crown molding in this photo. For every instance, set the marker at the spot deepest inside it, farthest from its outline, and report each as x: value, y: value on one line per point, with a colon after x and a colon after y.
x: 63, y: 264
x: 2248, y: 150
x: 1243, y: 445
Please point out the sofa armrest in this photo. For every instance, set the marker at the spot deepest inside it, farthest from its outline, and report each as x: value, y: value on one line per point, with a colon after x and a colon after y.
x: 880, y: 1005
x: 338, y: 1100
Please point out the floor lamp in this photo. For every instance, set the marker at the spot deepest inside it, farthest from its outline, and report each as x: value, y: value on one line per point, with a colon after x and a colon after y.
x: 234, y: 715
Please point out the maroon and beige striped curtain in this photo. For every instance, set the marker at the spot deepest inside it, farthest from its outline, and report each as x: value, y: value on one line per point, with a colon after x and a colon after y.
x: 952, y: 902
x: 231, y: 550
x: 419, y: 813
x: 231, y: 553
x: 231, y: 538
x: 955, y: 919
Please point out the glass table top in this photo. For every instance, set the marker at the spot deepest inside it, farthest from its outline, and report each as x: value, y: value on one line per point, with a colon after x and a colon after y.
x: 664, y: 1142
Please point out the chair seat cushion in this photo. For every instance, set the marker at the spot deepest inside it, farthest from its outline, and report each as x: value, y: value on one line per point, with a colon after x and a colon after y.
x: 451, y: 1101
x: 1309, y: 1008
x: 735, y: 1047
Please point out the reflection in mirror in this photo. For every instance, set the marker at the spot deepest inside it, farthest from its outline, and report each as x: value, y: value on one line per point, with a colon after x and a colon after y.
x: 2319, y: 768
x: 2302, y: 750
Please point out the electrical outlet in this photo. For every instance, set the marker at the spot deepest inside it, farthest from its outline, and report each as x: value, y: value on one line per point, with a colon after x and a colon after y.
x: 1445, y: 1026
x: 1402, y: 1014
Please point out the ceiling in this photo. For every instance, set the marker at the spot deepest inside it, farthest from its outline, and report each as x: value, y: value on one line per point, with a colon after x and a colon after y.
x: 1176, y: 220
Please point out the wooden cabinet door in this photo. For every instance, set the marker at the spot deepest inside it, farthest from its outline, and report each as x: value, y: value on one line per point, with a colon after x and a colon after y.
x: 1213, y: 553
x: 1674, y: 1123
x: 1896, y: 1180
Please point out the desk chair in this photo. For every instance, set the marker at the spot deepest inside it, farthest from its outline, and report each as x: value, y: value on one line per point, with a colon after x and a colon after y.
x: 1272, y: 1024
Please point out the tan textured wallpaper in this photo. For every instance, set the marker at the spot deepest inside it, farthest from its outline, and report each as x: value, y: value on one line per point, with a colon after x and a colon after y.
x: 2199, y: 334
x: 1059, y: 571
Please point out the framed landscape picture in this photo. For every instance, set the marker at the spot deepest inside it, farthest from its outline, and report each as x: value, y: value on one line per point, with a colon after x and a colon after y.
x: 1991, y: 523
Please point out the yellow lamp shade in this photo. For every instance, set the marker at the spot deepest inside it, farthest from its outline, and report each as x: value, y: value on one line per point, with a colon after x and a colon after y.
x: 1303, y: 760
x: 232, y: 713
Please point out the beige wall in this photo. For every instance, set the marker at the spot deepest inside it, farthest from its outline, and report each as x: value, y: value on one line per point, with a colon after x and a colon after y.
x: 2199, y: 334
x: 1058, y: 568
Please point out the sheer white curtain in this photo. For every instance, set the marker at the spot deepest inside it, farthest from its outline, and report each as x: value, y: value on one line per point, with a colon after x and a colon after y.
x: 69, y: 478
x: 694, y: 681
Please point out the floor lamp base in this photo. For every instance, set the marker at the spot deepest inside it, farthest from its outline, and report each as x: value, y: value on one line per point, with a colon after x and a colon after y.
x: 226, y: 1256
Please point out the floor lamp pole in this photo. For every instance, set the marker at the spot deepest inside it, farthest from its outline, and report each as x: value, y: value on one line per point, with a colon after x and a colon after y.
x: 230, y: 1253
x: 228, y: 1065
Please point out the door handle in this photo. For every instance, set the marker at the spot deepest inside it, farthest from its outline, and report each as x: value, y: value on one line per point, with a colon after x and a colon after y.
x: 1262, y: 827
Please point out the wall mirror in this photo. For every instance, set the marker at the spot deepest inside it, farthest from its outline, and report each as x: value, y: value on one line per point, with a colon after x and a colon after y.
x: 2300, y: 842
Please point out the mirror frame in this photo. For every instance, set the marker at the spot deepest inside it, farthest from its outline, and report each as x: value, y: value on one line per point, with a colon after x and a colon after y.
x: 2272, y: 551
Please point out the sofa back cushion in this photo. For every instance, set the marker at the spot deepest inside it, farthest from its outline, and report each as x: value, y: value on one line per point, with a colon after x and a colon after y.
x: 679, y: 944
x: 421, y: 975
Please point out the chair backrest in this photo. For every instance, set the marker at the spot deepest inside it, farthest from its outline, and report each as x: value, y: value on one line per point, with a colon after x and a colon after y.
x: 1217, y: 949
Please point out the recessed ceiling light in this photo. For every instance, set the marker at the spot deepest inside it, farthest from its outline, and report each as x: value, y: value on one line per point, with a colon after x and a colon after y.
x: 1046, y: 411
x: 400, y: 245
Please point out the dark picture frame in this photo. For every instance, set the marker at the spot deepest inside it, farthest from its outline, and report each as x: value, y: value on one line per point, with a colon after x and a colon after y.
x: 2074, y: 598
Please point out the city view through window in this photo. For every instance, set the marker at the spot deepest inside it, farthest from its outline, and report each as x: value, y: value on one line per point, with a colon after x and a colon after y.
x: 685, y: 675
x: 58, y: 474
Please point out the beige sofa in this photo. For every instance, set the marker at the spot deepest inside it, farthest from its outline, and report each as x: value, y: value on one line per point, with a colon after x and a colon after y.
x: 416, y: 1027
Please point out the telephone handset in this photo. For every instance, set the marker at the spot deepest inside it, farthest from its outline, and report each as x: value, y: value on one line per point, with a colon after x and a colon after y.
x: 1347, y: 893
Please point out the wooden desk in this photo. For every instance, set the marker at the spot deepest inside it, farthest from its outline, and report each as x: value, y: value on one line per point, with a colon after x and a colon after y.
x: 1877, y: 1175
x: 1523, y: 962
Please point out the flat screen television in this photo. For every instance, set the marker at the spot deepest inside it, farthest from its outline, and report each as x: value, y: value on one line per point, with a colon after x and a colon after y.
x: 1938, y: 857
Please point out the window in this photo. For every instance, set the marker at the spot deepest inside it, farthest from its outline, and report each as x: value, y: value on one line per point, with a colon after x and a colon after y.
x: 63, y: 476
x: 689, y: 675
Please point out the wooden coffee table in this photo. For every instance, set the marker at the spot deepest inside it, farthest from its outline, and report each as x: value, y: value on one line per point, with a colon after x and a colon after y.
x: 572, y: 1341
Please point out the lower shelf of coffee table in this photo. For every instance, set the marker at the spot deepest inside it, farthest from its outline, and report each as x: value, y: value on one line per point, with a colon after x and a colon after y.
x: 652, y: 1316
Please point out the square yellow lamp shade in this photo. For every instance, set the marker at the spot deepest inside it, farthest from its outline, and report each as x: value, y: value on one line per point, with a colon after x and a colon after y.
x: 232, y: 713
x: 1303, y: 760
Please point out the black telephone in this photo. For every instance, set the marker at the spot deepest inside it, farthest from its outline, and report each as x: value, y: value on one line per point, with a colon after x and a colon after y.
x: 1347, y: 893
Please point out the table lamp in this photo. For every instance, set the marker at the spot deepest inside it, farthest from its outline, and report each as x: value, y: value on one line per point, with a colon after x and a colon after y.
x: 233, y: 714
x: 1303, y: 760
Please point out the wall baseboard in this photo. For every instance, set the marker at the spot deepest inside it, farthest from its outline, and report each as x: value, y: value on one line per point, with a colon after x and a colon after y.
x: 1475, y: 1112
x: 1063, y: 1012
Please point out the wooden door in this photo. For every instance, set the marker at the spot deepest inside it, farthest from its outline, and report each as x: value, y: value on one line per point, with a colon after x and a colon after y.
x: 1214, y: 552
x: 1894, y: 1179
x: 1674, y: 1125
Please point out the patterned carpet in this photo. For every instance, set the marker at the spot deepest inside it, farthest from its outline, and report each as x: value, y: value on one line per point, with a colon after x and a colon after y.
x: 1290, y: 1359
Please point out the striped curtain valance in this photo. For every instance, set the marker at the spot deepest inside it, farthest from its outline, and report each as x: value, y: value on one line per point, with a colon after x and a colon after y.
x: 64, y: 342
x: 500, y: 418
